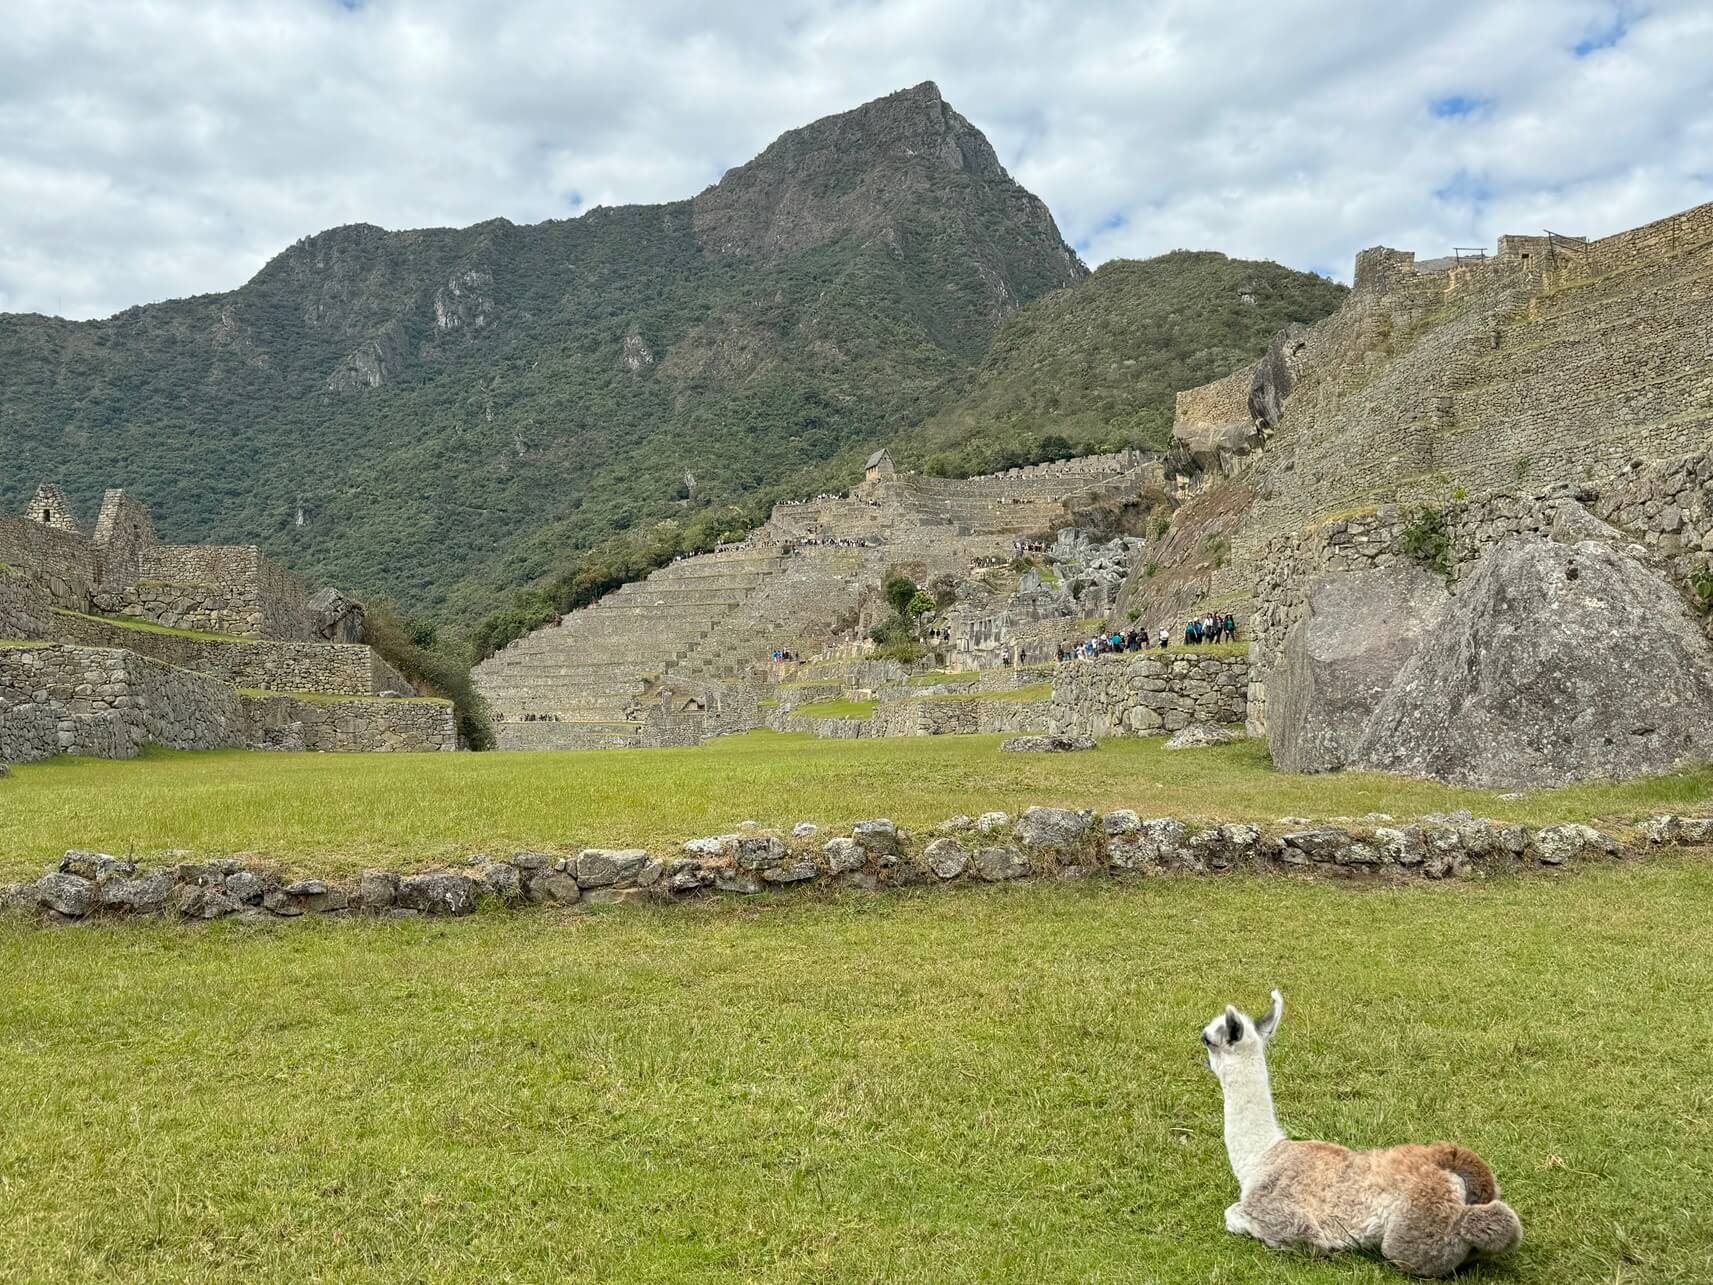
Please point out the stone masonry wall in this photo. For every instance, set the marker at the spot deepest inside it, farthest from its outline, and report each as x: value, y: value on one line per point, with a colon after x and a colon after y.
x: 1147, y: 693
x: 224, y: 589
x: 25, y: 608
x: 363, y: 726
x: 1212, y: 406
x: 1042, y: 842
x: 1549, y: 363
x: 109, y: 704
x: 345, y: 668
x: 62, y: 562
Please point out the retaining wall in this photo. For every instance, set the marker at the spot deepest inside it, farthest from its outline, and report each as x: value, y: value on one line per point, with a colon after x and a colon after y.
x: 109, y: 704
x: 343, y: 668
x: 282, y: 722
x: 1147, y: 693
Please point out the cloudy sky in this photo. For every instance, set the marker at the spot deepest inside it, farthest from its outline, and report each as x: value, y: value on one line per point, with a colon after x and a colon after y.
x: 154, y: 148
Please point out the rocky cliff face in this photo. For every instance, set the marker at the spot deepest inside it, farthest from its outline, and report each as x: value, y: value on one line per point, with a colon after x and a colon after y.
x: 906, y: 173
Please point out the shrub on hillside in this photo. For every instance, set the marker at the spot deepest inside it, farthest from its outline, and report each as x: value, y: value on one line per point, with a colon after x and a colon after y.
x: 413, y: 650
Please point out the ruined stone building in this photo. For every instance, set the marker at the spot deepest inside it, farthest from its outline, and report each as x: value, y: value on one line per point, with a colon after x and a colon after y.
x: 111, y: 640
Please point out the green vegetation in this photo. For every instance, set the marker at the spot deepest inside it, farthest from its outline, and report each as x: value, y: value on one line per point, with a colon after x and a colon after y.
x: 148, y: 627
x: 336, y: 813
x: 895, y: 637
x: 1426, y: 541
x: 415, y: 650
x: 1098, y: 367
x: 838, y: 709
x: 1701, y: 589
x: 992, y: 1084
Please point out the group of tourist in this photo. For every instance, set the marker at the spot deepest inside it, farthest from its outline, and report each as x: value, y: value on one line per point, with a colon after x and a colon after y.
x: 1028, y: 546
x: 1104, y: 645
x: 782, y: 655
x: 1210, y: 628
x: 833, y: 542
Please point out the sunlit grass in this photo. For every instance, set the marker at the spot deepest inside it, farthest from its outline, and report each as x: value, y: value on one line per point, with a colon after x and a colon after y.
x: 988, y: 1084
x: 339, y: 812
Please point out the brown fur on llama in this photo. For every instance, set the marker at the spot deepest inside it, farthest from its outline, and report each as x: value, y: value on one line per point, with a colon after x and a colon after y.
x: 1427, y: 1209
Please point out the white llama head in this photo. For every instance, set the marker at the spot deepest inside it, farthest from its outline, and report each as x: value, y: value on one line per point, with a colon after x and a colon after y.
x: 1234, y: 1038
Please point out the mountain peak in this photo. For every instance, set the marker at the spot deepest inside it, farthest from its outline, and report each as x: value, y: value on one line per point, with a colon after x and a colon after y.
x: 860, y: 172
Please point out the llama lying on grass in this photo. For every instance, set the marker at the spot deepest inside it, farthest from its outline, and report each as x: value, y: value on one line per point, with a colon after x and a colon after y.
x: 1427, y: 1209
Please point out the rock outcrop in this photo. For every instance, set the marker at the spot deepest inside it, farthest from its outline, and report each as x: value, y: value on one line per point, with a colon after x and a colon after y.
x: 1554, y: 663
x: 1341, y: 658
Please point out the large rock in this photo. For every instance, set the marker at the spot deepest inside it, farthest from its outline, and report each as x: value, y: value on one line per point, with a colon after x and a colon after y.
x: 336, y: 617
x: 1341, y: 658
x: 438, y: 894
x: 1199, y: 736
x: 1048, y: 744
x: 1555, y: 663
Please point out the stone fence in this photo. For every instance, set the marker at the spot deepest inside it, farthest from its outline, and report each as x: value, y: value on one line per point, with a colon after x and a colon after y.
x: 1147, y: 693
x: 1043, y: 842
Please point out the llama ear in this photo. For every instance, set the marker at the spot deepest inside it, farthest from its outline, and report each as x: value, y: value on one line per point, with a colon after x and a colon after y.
x: 1270, y: 1020
x: 1233, y: 1025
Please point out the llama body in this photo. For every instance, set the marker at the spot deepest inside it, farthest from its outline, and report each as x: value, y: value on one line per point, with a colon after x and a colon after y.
x: 1427, y: 1209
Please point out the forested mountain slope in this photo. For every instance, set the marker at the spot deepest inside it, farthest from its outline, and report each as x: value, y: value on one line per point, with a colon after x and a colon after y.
x: 443, y: 414
x: 1100, y: 365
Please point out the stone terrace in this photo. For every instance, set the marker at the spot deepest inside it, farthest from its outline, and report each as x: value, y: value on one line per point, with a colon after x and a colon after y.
x: 681, y: 639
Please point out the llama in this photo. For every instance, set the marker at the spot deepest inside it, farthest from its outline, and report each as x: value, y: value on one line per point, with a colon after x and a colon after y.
x: 1427, y: 1209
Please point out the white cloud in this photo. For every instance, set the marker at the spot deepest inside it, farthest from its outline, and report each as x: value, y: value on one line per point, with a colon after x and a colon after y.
x: 155, y: 150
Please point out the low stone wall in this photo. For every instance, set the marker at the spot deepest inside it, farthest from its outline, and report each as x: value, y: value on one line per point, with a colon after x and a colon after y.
x: 351, y: 669
x: 957, y: 717
x: 1147, y: 693
x: 109, y: 704
x: 285, y: 722
x: 1043, y: 842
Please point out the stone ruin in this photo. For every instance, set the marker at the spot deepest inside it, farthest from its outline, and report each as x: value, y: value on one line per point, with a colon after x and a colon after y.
x: 113, y: 641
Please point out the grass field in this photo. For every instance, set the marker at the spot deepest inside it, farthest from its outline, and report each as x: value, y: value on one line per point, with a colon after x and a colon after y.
x: 336, y: 813
x: 986, y: 1084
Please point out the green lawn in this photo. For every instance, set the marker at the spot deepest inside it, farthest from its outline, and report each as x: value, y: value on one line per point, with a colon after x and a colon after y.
x: 335, y: 813
x: 995, y: 1085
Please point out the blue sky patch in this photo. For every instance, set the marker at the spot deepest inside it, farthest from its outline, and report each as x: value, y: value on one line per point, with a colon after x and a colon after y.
x: 1604, y: 37
x: 1453, y: 106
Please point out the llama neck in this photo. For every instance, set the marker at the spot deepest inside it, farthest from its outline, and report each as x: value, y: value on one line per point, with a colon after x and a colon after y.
x: 1251, y: 1128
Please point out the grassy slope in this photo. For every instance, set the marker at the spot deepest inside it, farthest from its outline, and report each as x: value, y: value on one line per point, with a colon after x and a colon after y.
x: 997, y: 1085
x: 338, y: 812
